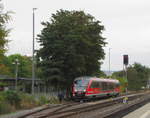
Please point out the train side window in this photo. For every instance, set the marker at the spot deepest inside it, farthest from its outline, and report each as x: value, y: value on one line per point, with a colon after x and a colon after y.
x: 95, y: 85
x: 104, y: 86
x: 111, y: 86
x: 100, y: 85
x: 108, y: 86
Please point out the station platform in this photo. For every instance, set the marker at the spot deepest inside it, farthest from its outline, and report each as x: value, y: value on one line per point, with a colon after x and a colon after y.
x: 143, y: 112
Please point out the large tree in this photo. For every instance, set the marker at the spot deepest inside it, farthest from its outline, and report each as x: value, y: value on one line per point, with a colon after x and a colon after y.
x: 4, y: 18
x: 72, y: 45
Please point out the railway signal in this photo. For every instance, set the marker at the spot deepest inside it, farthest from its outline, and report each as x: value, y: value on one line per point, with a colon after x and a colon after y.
x: 125, y: 59
x: 125, y: 63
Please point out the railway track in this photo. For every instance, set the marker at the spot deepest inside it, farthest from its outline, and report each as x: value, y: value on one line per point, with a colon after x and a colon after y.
x: 48, y: 109
x: 127, y: 108
x: 114, y: 111
x: 92, y: 107
x: 74, y: 109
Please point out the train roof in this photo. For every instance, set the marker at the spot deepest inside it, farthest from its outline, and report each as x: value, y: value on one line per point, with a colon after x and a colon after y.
x: 106, y: 80
x: 84, y: 77
x: 97, y: 79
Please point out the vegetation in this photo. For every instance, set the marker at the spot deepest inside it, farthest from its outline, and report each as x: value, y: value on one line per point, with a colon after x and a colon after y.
x: 4, y: 18
x: 24, y: 67
x: 11, y: 101
x: 5, y: 107
x: 28, y: 101
x: 12, y: 98
x: 72, y: 45
x: 137, y: 76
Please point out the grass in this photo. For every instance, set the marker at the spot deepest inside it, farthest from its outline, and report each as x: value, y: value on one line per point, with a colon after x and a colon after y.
x: 12, y: 101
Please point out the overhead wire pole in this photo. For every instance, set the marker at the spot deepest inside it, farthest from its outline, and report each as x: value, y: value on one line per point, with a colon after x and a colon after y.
x: 33, y: 58
x: 109, y: 61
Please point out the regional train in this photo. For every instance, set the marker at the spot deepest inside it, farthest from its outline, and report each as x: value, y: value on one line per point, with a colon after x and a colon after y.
x: 93, y: 87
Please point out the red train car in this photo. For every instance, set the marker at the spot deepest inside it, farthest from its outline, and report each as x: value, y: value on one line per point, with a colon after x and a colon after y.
x: 93, y: 87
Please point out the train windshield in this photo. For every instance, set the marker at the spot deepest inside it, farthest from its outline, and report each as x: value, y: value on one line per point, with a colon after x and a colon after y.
x: 81, y: 84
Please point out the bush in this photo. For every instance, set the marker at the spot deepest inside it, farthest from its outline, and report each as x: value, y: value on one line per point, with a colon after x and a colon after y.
x: 43, y: 100
x: 53, y: 100
x: 12, y: 97
x: 5, y: 107
x: 10, y: 101
x: 27, y: 101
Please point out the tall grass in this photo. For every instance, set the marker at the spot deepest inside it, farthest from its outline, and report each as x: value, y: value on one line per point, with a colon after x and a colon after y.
x: 11, y: 101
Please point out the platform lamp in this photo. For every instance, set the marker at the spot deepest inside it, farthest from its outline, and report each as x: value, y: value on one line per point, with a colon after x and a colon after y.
x: 16, y: 62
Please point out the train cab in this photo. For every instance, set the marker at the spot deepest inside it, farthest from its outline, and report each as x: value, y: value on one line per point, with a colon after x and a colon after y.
x: 80, y: 87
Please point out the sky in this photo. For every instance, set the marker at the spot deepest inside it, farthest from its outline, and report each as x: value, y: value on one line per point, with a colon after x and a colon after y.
x: 127, y: 26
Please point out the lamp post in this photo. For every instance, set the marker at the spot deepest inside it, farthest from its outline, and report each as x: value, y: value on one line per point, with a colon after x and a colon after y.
x: 33, y: 59
x: 16, y: 72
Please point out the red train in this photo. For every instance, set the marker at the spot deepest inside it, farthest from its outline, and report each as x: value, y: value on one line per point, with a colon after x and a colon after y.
x: 92, y: 87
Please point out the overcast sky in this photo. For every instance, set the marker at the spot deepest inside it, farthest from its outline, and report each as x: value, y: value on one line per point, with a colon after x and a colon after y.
x: 127, y: 26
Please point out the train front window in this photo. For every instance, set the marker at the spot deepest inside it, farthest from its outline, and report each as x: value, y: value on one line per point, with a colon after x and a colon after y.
x: 80, y: 84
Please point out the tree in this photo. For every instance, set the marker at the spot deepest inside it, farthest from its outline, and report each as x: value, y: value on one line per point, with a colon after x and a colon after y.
x: 72, y: 45
x: 24, y: 67
x: 120, y: 75
x: 4, y: 18
x: 4, y: 70
x: 137, y: 76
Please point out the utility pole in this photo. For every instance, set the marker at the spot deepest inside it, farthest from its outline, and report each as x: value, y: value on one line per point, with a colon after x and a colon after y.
x: 33, y: 58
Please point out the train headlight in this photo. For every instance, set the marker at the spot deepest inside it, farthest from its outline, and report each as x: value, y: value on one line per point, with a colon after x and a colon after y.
x: 84, y: 90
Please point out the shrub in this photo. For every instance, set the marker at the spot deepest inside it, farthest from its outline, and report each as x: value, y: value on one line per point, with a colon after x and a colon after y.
x: 43, y: 100
x: 12, y: 97
x: 10, y: 101
x: 53, y: 100
x: 27, y: 101
x: 5, y: 107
